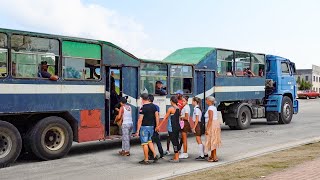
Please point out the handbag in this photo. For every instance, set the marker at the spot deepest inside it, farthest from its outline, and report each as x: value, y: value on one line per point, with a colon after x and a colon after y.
x: 181, y: 124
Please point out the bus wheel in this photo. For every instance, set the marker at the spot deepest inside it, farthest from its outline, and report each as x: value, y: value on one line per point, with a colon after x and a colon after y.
x: 244, y: 118
x: 50, y: 138
x: 286, y: 111
x: 10, y: 144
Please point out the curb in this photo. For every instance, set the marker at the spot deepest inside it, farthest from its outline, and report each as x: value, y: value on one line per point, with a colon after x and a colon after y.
x: 246, y: 157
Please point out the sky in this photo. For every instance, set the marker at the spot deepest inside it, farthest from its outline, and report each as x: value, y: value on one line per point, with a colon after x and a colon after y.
x: 154, y: 29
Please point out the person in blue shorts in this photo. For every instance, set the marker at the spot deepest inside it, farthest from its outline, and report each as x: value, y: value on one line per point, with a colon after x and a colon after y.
x: 145, y: 127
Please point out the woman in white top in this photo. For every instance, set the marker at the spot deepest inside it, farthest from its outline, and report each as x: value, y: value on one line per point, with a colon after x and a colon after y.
x: 185, y: 126
x: 213, y: 130
x: 125, y: 115
x: 196, y: 117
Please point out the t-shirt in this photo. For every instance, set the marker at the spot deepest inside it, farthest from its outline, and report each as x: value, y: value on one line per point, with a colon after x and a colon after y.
x: 215, y: 113
x: 196, y: 112
x: 185, y: 109
x: 149, y: 117
x: 180, y: 104
x: 45, y: 74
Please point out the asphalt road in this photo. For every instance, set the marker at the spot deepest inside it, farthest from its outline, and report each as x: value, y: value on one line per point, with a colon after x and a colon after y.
x: 100, y: 160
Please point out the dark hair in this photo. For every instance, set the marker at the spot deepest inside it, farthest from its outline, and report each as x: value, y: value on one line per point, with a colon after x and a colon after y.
x: 158, y: 82
x: 185, y: 97
x: 151, y: 97
x: 44, y: 62
x: 123, y: 100
x: 174, y: 99
x: 197, y: 100
x: 144, y: 96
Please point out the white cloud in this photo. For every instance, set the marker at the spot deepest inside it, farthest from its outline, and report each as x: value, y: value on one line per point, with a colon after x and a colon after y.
x: 75, y: 18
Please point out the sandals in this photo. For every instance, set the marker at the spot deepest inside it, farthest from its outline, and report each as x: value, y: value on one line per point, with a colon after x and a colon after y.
x: 144, y: 162
x: 213, y: 160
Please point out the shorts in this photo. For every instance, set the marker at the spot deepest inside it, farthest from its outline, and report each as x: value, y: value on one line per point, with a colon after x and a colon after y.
x: 146, y: 133
x: 186, y: 127
x: 198, y: 130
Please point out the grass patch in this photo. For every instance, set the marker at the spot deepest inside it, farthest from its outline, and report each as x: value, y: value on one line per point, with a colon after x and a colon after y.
x: 259, y: 166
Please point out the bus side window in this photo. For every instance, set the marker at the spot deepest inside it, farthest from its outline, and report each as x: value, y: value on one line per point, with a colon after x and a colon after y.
x: 154, y: 78
x: 30, y: 53
x: 3, y: 55
x: 181, y: 79
x: 81, y: 61
x: 224, y: 63
x: 258, y: 64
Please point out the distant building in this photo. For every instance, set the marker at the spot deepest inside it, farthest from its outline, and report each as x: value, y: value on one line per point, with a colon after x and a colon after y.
x: 310, y: 75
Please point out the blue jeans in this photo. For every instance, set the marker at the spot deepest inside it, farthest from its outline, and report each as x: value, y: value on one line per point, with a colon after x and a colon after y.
x: 146, y: 133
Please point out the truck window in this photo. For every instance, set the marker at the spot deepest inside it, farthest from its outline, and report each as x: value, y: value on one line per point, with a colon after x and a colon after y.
x: 3, y: 55
x: 81, y: 61
x: 29, y: 52
x: 258, y: 64
x: 285, y: 68
x: 181, y: 79
x: 225, y: 63
x: 154, y: 78
x: 242, y: 63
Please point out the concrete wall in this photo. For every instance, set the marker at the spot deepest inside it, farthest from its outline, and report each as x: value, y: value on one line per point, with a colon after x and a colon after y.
x: 310, y: 75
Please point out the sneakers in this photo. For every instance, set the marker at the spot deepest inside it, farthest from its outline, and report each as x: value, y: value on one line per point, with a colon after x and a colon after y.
x: 183, y: 156
x: 167, y: 153
x: 200, y: 158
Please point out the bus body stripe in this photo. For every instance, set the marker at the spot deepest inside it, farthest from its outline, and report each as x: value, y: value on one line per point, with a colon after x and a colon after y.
x: 50, y: 89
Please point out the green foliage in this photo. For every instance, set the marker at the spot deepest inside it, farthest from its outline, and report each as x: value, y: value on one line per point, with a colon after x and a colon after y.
x: 304, y: 85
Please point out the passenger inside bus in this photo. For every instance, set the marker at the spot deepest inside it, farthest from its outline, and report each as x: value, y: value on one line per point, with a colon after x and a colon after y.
x: 261, y: 72
x: 159, y: 90
x: 248, y: 72
x: 44, y: 72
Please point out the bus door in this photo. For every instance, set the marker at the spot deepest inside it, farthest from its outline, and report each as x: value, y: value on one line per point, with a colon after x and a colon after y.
x: 205, y: 85
x: 113, y: 94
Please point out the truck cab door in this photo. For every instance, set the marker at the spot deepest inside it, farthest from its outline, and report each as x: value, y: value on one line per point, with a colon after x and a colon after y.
x: 287, y: 78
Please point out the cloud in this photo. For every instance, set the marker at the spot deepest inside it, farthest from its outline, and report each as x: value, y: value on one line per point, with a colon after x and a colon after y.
x: 76, y: 18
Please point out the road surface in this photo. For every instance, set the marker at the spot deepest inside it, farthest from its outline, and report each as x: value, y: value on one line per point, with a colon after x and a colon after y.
x: 100, y: 160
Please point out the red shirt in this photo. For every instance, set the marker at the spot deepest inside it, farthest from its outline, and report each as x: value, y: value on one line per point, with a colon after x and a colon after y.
x: 180, y: 104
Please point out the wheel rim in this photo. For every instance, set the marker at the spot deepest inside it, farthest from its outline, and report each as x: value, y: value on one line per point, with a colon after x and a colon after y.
x: 243, y: 118
x: 54, y: 138
x: 286, y: 111
x: 5, y: 144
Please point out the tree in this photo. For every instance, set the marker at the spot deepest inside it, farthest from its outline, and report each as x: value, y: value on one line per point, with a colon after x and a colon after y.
x: 304, y: 85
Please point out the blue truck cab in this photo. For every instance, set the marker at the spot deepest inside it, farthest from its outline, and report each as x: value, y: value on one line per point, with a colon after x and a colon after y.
x: 281, y: 90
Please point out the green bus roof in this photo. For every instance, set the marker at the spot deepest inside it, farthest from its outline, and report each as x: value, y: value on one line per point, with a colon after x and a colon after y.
x: 189, y: 55
x: 36, y: 34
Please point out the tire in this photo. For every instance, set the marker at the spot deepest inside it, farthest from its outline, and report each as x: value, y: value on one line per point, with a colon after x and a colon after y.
x: 286, y: 114
x: 10, y: 144
x: 244, y: 118
x: 51, y: 138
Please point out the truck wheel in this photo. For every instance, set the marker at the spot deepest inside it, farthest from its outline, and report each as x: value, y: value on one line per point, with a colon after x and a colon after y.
x: 286, y: 111
x: 244, y: 118
x: 10, y: 144
x: 50, y: 138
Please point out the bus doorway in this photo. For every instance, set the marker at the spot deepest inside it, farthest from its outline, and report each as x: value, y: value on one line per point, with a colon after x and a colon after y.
x: 114, y: 86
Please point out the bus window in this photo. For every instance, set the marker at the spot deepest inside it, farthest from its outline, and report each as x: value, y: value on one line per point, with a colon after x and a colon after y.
x: 3, y: 55
x: 81, y: 61
x: 154, y: 78
x: 181, y: 79
x: 224, y: 63
x: 242, y: 63
x: 29, y: 52
x: 258, y: 64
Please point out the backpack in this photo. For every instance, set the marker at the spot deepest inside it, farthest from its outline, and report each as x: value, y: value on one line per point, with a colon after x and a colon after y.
x: 202, y: 123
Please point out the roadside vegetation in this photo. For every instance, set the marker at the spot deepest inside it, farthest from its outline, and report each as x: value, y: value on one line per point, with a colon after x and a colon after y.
x: 260, y: 166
